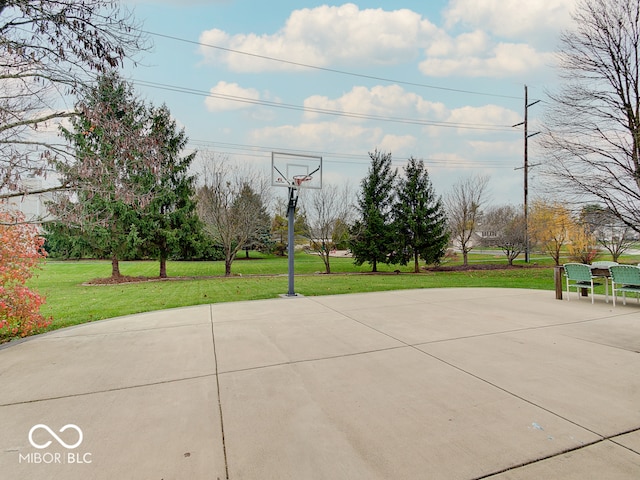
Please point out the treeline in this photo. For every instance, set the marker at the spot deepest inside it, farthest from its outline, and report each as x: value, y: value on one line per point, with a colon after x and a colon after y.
x: 129, y: 192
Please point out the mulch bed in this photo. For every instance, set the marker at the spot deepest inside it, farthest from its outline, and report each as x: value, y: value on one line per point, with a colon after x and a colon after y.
x: 121, y: 279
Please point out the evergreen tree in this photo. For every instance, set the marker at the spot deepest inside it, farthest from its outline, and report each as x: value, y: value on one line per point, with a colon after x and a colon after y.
x: 372, y: 238
x: 169, y: 224
x: 113, y: 153
x: 419, y: 217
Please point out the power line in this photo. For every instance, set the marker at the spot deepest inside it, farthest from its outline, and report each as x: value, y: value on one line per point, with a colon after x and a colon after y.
x: 323, y: 111
x: 264, y: 152
x: 331, y: 70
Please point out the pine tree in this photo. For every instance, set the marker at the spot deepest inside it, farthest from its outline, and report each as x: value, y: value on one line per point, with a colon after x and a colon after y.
x: 113, y: 153
x: 419, y: 218
x: 169, y: 224
x: 372, y: 235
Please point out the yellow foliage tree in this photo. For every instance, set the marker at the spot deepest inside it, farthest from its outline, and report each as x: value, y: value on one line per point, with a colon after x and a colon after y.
x: 550, y: 227
x: 582, y: 246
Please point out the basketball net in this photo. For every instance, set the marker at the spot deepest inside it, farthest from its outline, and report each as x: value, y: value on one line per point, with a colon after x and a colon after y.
x: 298, y: 180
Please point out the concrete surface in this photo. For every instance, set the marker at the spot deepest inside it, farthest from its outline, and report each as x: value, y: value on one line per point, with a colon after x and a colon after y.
x: 414, y: 384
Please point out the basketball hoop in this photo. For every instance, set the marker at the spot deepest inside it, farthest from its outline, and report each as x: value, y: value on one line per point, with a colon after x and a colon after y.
x: 297, y: 172
x: 298, y: 180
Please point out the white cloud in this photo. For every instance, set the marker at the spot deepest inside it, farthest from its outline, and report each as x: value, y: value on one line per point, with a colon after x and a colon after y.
x: 230, y: 96
x: 397, y: 143
x: 326, y: 35
x: 512, y: 18
x: 391, y: 100
x: 508, y: 38
x: 499, y: 61
x: 487, y: 115
x: 323, y: 136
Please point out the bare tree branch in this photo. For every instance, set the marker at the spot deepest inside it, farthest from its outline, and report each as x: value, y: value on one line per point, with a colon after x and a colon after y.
x: 48, y: 50
x: 464, y: 208
x: 591, y: 134
x: 231, y: 205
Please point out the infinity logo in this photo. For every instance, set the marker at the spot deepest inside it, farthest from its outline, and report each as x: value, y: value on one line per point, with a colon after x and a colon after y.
x: 53, y: 434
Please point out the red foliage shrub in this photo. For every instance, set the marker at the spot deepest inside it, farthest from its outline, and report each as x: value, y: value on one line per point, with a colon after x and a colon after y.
x: 21, y: 250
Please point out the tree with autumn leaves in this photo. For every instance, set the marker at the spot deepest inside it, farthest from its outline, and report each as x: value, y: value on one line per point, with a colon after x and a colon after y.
x: 554, y: 228
x: 21, y: 250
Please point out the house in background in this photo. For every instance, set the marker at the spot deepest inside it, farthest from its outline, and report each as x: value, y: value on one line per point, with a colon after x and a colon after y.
x: 32, y: 205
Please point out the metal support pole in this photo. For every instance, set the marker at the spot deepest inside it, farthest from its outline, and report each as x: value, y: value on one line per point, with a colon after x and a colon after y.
x: 526, y: 176
x: 291, y: 213
x: 525, y: 167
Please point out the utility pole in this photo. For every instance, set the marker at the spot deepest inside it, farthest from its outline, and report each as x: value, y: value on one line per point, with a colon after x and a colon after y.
x: 525, y: 167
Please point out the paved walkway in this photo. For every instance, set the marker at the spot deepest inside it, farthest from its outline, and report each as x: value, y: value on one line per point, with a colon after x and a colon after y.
x: 416, y: 384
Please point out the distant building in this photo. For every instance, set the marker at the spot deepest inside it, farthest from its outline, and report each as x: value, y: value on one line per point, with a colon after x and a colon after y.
x: 32, y: 205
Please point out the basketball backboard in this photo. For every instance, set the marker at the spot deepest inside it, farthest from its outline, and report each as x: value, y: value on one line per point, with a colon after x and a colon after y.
x: 296, y: 170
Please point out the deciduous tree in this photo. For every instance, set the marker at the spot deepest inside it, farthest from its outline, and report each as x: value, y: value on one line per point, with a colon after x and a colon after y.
x: 327, y: 212
x: 231, y: 206
x: 550, y: 226
x: 464, y: 208
x: 504, y: 228
x: 592, y: 126
x: 48, y: 49
x: 582, y: 244
x: 609, y: 231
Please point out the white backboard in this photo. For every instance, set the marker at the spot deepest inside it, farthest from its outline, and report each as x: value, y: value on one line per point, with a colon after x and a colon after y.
x: 296, y: 170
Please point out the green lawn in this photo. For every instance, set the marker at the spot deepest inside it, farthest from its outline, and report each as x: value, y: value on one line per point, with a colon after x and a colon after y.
x: 69, y: 302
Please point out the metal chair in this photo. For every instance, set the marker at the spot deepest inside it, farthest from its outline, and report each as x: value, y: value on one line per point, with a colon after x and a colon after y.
x: 580, y: 275
x: 624, y: 278
x: 604, y: 264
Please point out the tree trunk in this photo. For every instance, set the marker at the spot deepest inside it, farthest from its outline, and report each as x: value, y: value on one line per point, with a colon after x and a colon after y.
x: 227, y: 266
x: 465, y: 257
x: 115, y: 267
x: 163, y: 266
x: 325, y: 257
x: 375, y: 265
x: 416, y: 263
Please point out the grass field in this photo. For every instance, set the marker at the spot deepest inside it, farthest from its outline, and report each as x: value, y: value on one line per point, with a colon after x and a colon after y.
x: 71, y: 302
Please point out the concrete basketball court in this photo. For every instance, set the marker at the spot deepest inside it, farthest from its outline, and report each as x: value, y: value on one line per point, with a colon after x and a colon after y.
x: 414, y: 384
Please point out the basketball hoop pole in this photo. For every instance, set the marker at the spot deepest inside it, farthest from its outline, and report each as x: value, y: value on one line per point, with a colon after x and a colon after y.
x: 291, y: 213
x: 294, y: 171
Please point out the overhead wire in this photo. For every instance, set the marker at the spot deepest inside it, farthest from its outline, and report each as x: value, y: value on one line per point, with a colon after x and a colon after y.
x: 324, y: 111
x: 332, y: 70
x: 349, y: 158
x: 264, y: 152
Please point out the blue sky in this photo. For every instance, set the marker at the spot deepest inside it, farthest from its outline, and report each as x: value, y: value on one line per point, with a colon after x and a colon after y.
x: 438, y: 80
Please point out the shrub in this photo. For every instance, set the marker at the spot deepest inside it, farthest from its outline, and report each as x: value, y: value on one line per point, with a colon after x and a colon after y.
x: 21, y: 250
